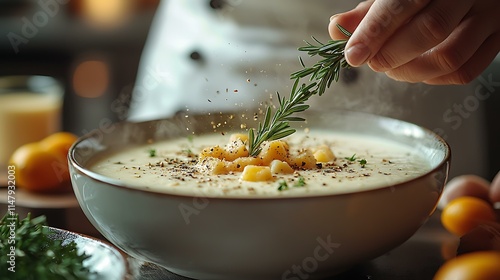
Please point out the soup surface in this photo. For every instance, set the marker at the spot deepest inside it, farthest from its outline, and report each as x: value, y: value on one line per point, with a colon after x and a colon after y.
x: 361, y: 163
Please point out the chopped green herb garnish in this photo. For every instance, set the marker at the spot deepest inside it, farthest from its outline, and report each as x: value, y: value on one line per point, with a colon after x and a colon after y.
x: 301, y: 182
x: 190, y: 138
x: 28, y: 252
x: 152, y: 152
x: 352, y: 158
x: 282, y: 186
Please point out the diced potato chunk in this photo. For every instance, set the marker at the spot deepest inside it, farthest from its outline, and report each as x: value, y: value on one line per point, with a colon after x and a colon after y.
x: 213, y: 166
x: 303, y: 159
x: 215, y: 152
x: 323, y: 153
x: 256, y: 173
x: 235, y: 149
x: 280, y: 167
x: 240, y: 163
x: 274, y: 158
x: 273, y: 150
x: 238, y: 136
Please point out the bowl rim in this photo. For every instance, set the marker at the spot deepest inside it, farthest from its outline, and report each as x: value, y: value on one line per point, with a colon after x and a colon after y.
x: 122, y: 185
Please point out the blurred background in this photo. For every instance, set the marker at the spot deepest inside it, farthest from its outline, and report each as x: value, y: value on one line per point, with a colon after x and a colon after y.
x: 94, y: 48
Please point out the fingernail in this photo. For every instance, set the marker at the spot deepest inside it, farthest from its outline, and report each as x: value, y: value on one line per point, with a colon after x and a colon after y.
x: 334, y: 16
x: 357, y: 54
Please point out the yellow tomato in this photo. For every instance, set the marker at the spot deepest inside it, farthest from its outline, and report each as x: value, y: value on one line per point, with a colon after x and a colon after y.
x: 42, y: 166
x: 482, y: 265
x: 465, y: 213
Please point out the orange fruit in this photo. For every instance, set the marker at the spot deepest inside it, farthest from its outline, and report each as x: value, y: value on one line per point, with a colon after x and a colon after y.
x: 59, y: 143
x: 481, y: 265
x: 464, y: 213
x: 38, y: 169
x: 43, y: 166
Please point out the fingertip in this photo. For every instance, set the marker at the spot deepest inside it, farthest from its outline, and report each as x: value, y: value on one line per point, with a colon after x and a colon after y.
x: 348, y: 20
x: 356, y: 54
x: 333, y: 29
x: 495, y: 189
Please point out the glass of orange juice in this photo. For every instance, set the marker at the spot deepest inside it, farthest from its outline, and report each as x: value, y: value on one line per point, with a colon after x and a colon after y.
x: 30, y: 110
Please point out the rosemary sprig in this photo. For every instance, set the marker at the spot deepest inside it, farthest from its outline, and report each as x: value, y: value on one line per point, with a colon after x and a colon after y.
x: 322, y: 74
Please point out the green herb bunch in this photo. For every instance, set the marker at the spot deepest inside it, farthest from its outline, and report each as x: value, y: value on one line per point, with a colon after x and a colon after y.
x: 321, y: 75
x: 37, y: 255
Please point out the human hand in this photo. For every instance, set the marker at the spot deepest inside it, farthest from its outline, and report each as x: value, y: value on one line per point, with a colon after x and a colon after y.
x: 435, y: 42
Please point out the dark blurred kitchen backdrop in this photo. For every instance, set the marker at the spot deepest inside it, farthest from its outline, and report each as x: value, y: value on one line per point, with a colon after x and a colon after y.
x: 92, y: 46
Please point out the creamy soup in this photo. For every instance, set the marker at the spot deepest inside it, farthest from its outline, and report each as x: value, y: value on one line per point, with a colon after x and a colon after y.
x: 172, y: 166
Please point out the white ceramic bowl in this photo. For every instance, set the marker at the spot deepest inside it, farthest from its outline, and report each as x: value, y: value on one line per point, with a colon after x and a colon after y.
x: 257, y: 238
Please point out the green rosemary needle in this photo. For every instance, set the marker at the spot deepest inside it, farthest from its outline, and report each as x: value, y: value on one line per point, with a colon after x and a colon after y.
x: 321, y: 75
